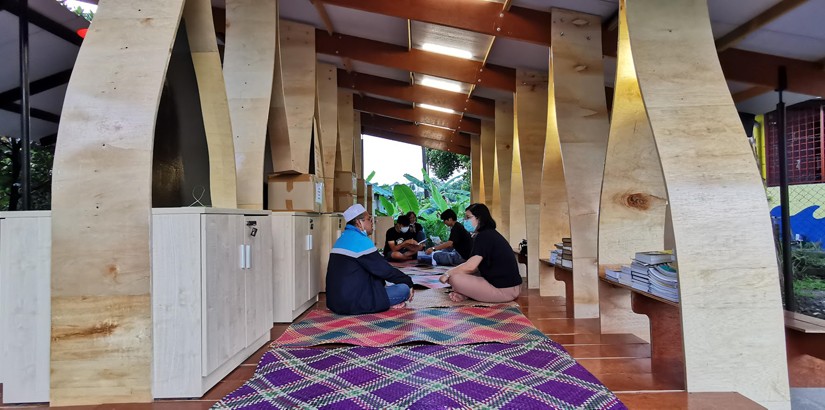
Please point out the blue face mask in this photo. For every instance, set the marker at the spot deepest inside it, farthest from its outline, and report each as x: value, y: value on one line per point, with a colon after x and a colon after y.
x: 469, y: 226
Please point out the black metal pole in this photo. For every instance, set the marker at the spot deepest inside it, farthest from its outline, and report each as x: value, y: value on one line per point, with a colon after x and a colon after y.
x: 25, y: 110
x: 787, y: 267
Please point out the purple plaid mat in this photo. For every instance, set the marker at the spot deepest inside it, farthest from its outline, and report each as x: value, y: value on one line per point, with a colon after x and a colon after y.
x: 539, y: 375
x: 425, y: 270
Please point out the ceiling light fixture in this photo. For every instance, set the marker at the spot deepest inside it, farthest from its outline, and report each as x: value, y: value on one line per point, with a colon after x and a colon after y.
x: 446, y: 50
x: 441, y: 85
x: 436, y: 108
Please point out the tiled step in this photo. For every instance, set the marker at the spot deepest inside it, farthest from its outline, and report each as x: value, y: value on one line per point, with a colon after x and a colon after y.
x: 609, y: 351
x: 687, y: 401
x: 598, y: 339
x: 556, y: 326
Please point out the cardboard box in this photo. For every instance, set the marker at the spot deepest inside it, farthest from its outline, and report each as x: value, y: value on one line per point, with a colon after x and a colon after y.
x: 369, y: 205
x: 301, y: 192
x: 345, y: 182
x: 329, y: 194
x: 343, y: 201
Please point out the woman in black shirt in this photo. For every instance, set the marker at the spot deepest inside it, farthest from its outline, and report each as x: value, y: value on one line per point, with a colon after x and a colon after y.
x: 491, y: 273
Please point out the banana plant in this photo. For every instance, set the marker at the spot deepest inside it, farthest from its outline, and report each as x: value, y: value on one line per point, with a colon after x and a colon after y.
x: 406, y: 199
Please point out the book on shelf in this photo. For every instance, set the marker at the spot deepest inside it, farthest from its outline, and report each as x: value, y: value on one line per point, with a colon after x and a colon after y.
x: 612, y: 274
x: 567, y: 263
x: 654, y: 257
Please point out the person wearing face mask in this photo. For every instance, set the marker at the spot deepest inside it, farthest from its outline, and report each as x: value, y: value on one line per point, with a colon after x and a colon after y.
x: 490, y: 274
x: 401, y: 244
x: 457, y: 249
x: 357, y: 273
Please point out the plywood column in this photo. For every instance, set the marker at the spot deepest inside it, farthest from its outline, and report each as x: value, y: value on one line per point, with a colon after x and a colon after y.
x: 581, y: 117
x: 293, y: 98
x: 504, y: 162
x: 101, y: 307
x: 634, y: 200
x: 531, y: 105
x: 326, y: 118
x: 249, y: 63
x: 518, y: 227
x: 475, y: 170
x: 200, y: 30
x: 488, y: 158
x: 554, y: 218
x: 345, y: 131
x: 357, y: 149
x: 731, y: 308
x: 495, y: 208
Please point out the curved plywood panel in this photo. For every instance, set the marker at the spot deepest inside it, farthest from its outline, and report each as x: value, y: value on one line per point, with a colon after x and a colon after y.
x: 249, y: 63
x: 531, y: 106
x: 554, y: 218
x: 488, y: 158
x: 504, y: 162
x: 357, y: 149
x: 326, y: 106
x: 475, y: 171
x: 634, y: 199
x: 345, y: 131
x: 518, y: 228
x: 200, y: 30
x: 101, y: 339
x: 293, y: 98
x: 581, y: 118
x: 717, y: 201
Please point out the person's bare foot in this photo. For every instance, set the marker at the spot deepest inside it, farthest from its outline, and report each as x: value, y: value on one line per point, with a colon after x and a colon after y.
x: 457, y: 297
x: 399, y: 306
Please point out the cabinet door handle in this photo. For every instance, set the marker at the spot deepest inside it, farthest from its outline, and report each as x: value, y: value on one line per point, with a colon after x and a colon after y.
x: 248, y: 256
x: 243, y: 256
x: 309, y: 242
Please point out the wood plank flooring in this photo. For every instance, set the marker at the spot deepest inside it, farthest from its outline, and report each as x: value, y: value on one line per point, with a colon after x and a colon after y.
x: 621, y: 361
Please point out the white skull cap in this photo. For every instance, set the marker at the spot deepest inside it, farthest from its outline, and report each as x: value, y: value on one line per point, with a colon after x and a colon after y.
x: 353, y: 211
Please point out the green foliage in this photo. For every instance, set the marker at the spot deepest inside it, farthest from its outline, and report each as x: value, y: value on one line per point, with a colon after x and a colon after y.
x: 389, y: 208
x: 79, y: 11
x: 444, y: 164
x: 370, y: 176
x: 406, y: 199
x: 41, y: 175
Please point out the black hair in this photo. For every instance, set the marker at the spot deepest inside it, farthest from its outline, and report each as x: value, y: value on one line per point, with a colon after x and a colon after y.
x: 449, y: 214
x: 404, y: 220
x: 357, y: 218
x: 482, y: 213
x: 411, y: 213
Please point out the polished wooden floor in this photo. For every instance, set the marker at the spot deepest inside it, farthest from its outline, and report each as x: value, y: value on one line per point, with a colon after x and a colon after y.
x: 620, y: 361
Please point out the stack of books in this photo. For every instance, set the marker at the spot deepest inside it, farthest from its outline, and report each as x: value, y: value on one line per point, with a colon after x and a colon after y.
x: 566, y: 254
x: 652, y: 272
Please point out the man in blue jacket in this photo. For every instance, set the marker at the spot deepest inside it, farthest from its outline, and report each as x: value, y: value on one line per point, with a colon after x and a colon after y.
x: 357, y: 273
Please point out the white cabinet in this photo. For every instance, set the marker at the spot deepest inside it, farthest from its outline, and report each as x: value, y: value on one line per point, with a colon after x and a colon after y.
x: 211, y: 294
x: 332, y: 225
x: 25, y: 305
x: 296, y: 256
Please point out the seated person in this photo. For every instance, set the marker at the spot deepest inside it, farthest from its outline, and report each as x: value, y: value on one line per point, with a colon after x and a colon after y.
x: 457, y: 249
x: 357, y: 274
x: 401, y: 244
x: 416, y: 228
x: 491, y: 273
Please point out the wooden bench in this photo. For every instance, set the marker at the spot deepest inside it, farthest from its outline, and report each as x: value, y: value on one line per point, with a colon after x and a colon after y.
x: 805, y: 345
x: 666, y: 342
x: 561, y: 274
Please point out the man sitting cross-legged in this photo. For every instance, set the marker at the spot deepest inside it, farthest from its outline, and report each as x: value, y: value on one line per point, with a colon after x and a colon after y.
x: 357, y: 274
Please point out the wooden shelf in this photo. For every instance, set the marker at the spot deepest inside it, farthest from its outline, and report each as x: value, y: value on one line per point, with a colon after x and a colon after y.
x: 637, y: 291
x: 547, y: 262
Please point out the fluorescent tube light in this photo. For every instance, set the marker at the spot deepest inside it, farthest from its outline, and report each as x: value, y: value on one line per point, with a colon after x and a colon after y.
x: 436, y: 108
x: 441, y: 85
x: 446, y: 50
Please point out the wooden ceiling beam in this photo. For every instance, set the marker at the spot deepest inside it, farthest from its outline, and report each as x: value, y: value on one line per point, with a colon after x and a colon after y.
x: 391, y: 55
x: 804, y: 77
x: 423, y: 142
x: 755, y: 91
x: 416, y: 114
x: 420, y: 131
x: 322, y: 12
x: 472, y: 15
x: 740, y: 33
x: 400, y: 90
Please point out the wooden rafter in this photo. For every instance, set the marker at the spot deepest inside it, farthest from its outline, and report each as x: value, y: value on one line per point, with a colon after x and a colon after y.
x: 739, y: 33
x: 804, y: 77
x: 391, y: 55
x: 409, y: 139
x: 415, y: 114
x: 322, y: 11
x: 755, y: 91
x: 472, y: 15
x: 421, y: 131
x: 401, y: 90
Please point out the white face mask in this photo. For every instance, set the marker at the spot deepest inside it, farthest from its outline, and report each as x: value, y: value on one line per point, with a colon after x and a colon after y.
x: 405, y: 229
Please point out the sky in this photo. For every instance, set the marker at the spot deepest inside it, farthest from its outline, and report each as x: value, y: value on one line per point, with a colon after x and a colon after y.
x: 73, y: 4
x: 390, y: 160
